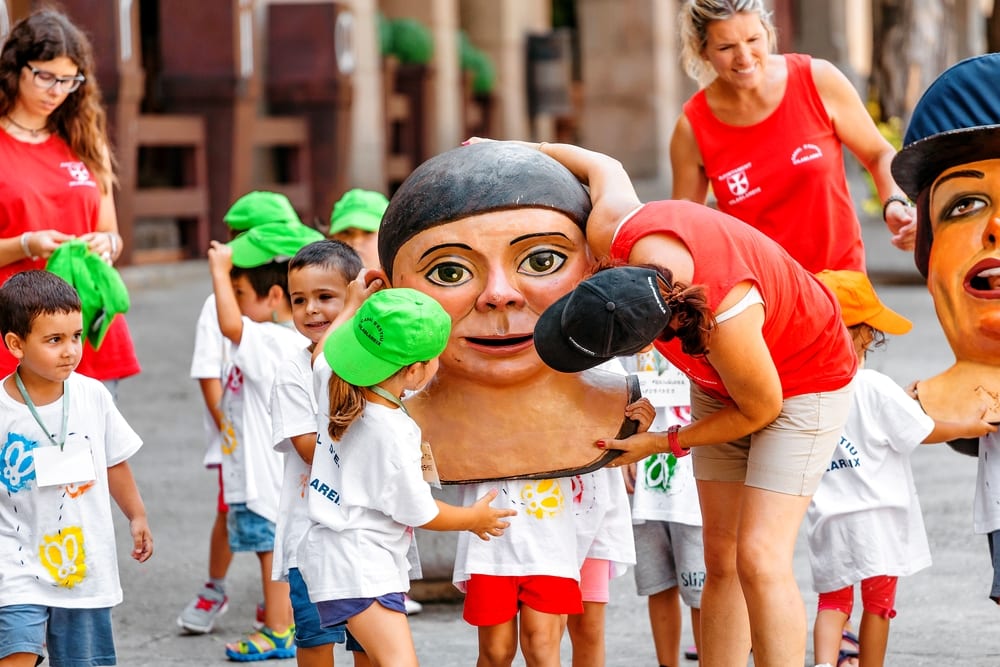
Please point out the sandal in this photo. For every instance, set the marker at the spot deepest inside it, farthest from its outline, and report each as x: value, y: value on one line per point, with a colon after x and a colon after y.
x: 849, y: 648
x: 263, y: 644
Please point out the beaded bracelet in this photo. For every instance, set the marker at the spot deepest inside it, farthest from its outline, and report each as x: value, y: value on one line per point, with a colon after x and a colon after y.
x: 885, y: 207
x: 675, y: 445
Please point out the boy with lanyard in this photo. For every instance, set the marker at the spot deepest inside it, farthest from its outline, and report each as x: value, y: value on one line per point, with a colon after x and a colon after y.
x: 65, y: 456
x: 250, y: 280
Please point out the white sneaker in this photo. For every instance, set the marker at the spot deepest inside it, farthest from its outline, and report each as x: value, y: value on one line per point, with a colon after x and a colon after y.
x: 411, y: 605
x: 199, y: 615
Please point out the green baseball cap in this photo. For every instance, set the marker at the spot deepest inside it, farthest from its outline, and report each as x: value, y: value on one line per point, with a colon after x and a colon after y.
x: 271, y: 242
x: 360, y: 209
x: 392, y: 329
x: 260, y: 208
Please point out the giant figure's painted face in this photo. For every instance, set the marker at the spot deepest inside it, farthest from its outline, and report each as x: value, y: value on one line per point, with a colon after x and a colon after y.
x: 964, y: 263
x: 495, y: 273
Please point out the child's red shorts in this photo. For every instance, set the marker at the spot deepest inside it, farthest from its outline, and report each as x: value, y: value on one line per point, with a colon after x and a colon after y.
x: 491, y: 600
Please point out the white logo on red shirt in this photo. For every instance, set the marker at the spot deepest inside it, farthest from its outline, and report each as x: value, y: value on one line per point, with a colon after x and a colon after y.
x: 738, y: 183
x: 805, y: 153
x: 79, y: 174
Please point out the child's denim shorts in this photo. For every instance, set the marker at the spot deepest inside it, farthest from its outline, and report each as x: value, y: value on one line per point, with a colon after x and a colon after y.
x: 308, y: 632
x: 72, y: 637
x: 248, y: 531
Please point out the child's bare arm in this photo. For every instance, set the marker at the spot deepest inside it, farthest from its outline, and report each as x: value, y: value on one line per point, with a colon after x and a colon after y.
x: 211, y: 393
x: 973, y: 428
x: 220, y: 263
x: 123, y: 489
x: 479, y: 518
x: 305, y: 446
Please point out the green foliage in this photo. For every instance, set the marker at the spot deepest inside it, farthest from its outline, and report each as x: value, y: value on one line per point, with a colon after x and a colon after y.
x: 412, y: 42
x: 892, y: 130
x: 476, y: 61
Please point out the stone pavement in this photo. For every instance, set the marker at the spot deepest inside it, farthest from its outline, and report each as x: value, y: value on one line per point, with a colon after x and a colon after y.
x: 944, y: 616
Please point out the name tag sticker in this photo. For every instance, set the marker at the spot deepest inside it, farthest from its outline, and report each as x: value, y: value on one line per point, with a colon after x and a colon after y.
x: 428, y: 467
x: 73, y: 464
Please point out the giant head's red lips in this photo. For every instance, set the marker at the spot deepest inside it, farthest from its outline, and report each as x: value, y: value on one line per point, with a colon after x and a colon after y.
x: 980, y: 277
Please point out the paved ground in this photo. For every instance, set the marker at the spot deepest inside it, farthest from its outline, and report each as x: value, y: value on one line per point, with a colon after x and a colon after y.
x: 944, y: 617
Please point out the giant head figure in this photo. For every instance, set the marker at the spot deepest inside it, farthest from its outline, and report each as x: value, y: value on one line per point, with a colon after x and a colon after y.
x: 495, y: 233
x: 950, y: 166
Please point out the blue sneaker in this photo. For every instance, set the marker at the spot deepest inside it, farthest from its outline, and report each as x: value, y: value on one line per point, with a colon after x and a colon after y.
x: 263, y: 644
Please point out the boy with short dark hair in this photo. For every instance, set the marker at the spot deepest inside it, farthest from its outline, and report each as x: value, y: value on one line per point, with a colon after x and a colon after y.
x: 64, y: 452
x: 250, y: 281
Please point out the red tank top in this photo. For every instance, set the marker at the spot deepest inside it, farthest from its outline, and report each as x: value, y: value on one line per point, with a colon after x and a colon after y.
x: 784, y: 175
x: 809, y: 344
x: 45, y: 186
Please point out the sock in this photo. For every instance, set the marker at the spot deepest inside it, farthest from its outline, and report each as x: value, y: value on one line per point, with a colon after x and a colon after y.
x: 218, y: 584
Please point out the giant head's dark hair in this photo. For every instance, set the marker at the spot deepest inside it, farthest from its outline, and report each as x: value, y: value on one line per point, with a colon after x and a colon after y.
x: 263, y: 277
x: 80, y: 120
x: 331, y: 255
x: 28, y: 294
x: 476, y: 179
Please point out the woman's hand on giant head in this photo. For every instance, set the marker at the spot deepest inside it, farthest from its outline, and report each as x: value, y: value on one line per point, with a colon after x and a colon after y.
x: 634, y: 448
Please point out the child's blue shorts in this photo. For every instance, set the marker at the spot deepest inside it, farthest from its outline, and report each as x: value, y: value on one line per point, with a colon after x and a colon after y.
x: 72, y: 637
x: 248, y: 531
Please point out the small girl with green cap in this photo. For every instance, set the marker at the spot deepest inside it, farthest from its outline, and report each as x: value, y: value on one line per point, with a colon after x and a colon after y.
x: 367, y: 488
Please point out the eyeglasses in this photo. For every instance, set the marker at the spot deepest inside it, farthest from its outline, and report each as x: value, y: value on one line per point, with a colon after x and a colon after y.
x: 48, y: 80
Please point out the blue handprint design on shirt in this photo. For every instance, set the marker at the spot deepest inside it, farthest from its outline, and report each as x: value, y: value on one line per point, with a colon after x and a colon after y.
x: 17, y: 465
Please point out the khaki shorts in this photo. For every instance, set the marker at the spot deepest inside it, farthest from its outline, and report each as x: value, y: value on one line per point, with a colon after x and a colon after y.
x: 789, y: 455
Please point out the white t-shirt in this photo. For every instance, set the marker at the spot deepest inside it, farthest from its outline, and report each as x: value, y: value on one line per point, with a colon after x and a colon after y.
x: 207, y: 362
x: 366, y: 492
x: 865, y: 519
x: 251, y: 469
x: 986, y: 508
x: 293, y: 413
x: 541, y: 539
x: 604, y: 522
x: 57, y: 543
x: 665, y: 488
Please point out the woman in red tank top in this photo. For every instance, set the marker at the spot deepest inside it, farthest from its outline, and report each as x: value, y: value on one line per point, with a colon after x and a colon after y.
x: 56, y: 177
x: 765, y: 134
x: 771, y: 368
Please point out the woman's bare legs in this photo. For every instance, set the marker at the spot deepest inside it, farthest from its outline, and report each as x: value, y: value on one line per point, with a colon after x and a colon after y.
x: 769, y: 525
x: 725, y: 627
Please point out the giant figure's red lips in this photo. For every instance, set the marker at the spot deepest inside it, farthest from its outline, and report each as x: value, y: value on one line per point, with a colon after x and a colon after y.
x: 977, y: 280
x: 510, y: 344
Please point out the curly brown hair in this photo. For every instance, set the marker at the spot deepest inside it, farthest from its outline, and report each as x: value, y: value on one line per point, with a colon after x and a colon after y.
x: 80, y: 120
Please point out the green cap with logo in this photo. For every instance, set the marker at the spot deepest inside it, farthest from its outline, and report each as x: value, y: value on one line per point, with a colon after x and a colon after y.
x: 392, y: 329
x: 260, y: 208
x: 358, y: 209
x: 271, y: 242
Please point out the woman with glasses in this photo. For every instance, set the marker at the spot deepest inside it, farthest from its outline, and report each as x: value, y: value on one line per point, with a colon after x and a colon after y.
x: 56, y: 175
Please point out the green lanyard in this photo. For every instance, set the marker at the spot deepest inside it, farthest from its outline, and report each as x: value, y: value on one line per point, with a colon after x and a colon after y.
x: 34, y: 412
x: 379, y: 391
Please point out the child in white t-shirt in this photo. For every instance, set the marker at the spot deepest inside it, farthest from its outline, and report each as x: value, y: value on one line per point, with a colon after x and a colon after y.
x: 367, y: 490
x: 666, y: 516
x: 250, y: 281
x: 864, y: 523
x: 252, y: 209
x: 318, y: 276
x: 63, y: 456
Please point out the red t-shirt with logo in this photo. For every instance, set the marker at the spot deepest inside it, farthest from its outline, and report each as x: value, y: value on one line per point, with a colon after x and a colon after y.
x: 785, y: 175
x: 808, y: 341
x: 45, y: 186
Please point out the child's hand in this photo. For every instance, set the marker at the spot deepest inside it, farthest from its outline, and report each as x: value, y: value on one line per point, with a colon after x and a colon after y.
x: 366, y: 283
x: 980, y: 427
x: 220, y: 257
x: 487, y: 521
x: 643, y: 412
x: 142, y: 539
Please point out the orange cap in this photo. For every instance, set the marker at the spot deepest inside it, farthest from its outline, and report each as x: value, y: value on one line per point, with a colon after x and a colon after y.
x: 860, y: 305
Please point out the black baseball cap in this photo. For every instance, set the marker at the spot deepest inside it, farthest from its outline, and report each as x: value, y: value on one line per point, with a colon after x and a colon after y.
x: 615, y: 312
